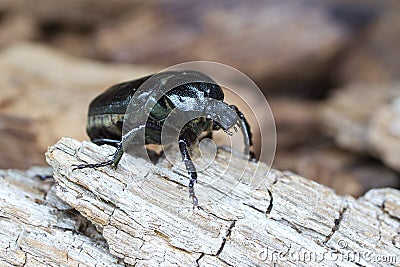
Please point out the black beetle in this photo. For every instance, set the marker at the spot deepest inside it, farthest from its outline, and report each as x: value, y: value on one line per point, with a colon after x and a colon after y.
x: 107, y: 113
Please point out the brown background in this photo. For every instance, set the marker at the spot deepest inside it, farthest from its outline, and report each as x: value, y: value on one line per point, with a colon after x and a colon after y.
x: 329, y: 69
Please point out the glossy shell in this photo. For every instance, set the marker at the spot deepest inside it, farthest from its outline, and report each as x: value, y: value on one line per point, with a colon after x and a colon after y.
x: 107, y: 111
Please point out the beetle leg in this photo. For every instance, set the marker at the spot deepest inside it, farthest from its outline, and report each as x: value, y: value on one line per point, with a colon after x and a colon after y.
x: 116, y: 157
x: 113, y: 161
x: 127, y: 138
x: 111, y: 142
x: 191, y: 169
x: 247, y: 135
x: 94, y: 165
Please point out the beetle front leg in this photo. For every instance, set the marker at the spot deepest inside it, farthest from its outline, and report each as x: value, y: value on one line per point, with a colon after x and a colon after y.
x: 191, y: 169
x: 247, y: 135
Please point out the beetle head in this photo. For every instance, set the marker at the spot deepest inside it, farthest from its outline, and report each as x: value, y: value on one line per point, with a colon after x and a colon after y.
x: 222, y: 115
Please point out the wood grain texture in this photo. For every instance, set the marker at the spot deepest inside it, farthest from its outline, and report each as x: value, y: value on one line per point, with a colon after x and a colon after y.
x: 39, y: 229
x: 144, y: 213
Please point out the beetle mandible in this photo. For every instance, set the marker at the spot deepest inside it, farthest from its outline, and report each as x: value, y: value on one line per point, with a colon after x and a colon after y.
x: 107, y: 114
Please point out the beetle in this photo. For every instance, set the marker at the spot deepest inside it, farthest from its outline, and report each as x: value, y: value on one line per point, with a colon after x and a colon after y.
x: 107, y: 114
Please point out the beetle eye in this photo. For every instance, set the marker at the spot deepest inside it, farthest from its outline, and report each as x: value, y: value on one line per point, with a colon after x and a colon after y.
x: 208, y: 117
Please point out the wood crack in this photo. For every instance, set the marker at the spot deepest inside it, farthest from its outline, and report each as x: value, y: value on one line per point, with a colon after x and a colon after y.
x: 337, y: 223
x: 271, y: 201
x: 199, y: 258
x: 225, y: 238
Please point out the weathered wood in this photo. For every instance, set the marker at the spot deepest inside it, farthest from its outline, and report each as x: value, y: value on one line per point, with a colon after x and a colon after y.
x: 39, y: 229
x: 145, y: 215
x: 371, y: 128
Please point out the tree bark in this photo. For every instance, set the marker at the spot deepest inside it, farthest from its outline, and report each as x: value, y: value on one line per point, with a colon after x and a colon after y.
x: 37, y: 228
x: 145, y: 216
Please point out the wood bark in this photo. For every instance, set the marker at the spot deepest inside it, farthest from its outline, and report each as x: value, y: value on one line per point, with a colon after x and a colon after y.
x: 145, y: 217
x: 37, y: 228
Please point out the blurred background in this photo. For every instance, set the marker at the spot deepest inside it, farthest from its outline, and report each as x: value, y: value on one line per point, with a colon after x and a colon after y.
x: 329, y: 69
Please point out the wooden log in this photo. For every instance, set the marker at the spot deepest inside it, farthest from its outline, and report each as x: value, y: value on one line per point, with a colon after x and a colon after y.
x: 146, y: 217
x: 39, y: 229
